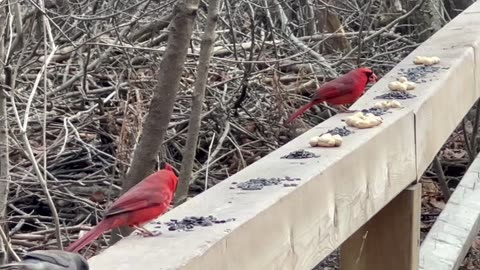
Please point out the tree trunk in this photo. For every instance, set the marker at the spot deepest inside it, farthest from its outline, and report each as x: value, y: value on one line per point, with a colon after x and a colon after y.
x: 161, y: 106
x: 309, y: 17
x: 427, y: 20
x: 197, y: 103
x: 329, y: 22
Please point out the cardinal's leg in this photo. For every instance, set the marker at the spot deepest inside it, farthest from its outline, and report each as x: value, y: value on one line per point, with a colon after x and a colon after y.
x: 146, y: 233
x: 344, y: 109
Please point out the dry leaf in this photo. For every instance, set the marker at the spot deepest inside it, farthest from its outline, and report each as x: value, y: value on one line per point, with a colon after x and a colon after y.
x: 437, y: 204
x: 476, y: 243
x: 429, y: 187
x: 451, y: 154
x: 97, y: 196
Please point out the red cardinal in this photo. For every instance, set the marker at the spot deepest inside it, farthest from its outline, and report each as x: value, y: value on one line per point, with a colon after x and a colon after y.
x: 345, y: 89
x: 142, y: 203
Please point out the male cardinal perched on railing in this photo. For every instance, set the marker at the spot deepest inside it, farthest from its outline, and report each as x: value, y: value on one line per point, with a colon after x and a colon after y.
x: 49, y: 260
x: 345, y: 89
x: 140, y: 204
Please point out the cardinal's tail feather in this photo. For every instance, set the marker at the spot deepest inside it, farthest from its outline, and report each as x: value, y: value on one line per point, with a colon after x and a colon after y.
x: 93, y: 234
x: 300, y: 111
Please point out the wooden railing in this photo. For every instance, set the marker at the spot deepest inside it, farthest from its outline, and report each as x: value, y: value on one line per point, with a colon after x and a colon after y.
x: 359, y: 195
x: 452, y: 234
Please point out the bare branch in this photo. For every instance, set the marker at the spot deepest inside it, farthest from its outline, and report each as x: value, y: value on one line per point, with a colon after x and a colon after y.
x: 197, y: 102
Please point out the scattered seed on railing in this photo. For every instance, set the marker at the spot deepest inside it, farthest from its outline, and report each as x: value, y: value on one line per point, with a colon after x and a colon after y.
x: 343, y: 131
x: 300, y: 154
x: 154, y: 233
x: 290, y: 185
x: 418, y: 74
x: 396, y: 95
x: 259, y: 183
x: 189, y: 223
x: 375, y: 111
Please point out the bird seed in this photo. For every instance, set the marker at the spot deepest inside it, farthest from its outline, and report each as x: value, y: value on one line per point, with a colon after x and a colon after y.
x: 375, y: 111
x: 396, y: 95
x: 189, y: 223
x: 259, y: 183
x: 343, y: 131
x: 300, y: 154
x: 418, y: 74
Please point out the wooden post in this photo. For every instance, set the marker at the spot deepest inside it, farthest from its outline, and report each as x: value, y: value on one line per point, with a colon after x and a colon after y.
x: 390, y: 240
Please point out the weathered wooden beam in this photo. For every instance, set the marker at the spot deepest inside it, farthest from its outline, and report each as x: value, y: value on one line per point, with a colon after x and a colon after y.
x: 279, y: 227
x: 450, y: 238
x: 390, y: 240
x: 296, y: 227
